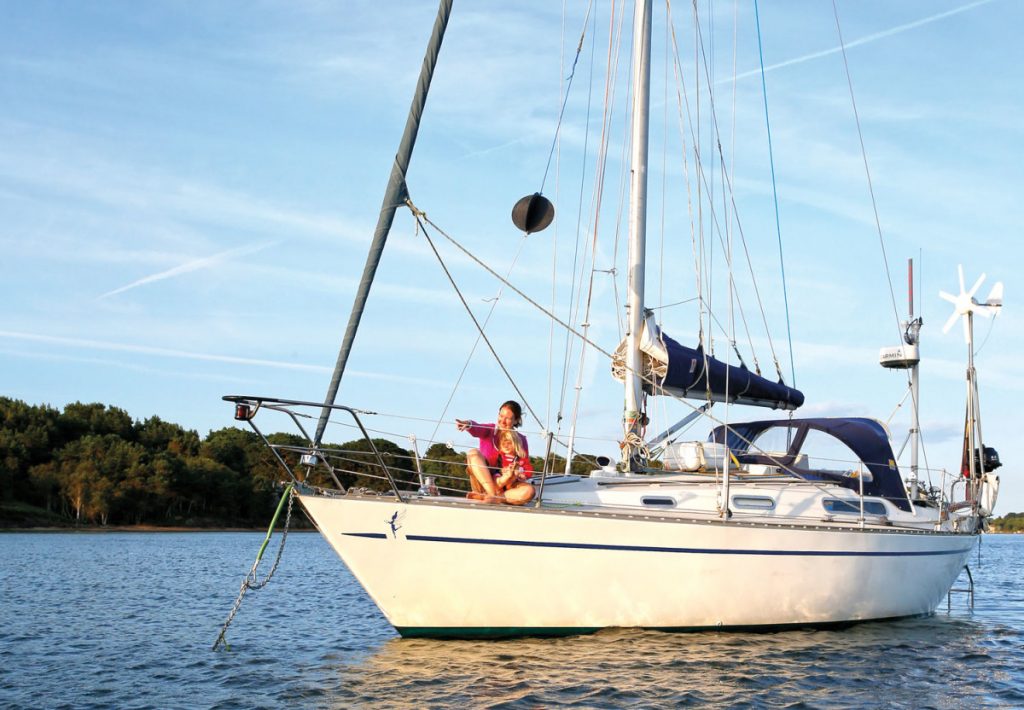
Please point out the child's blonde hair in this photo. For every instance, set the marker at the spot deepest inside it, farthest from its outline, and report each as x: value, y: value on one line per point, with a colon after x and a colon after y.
x: 511, y: 436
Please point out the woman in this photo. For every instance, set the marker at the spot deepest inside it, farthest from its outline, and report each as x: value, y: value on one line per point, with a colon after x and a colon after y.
x: 486, y: 465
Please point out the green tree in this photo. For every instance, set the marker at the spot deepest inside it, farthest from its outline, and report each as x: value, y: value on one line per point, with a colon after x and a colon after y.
x: 79, y: 420
x: 213, y: 492
x: 46, y: 482
x: 157, y: 435
x: 237, y: 449
x: 1011, y: 522
x: 93, y: 474
x: 355, y: 465
x: 447, y: 465
x: 27, y: 436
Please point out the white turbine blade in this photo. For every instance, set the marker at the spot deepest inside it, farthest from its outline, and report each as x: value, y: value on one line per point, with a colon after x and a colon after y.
x: 960, y: 272
x: 976, y: 286
x: 950, y: 322
x: 948, y: 297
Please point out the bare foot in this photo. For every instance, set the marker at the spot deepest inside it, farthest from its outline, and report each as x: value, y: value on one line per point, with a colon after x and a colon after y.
x: 494, y: 499
x: 473, y: 495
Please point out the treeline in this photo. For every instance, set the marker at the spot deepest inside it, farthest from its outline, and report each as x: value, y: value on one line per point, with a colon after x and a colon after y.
x: 1010, y: 523
x: 92, y: 464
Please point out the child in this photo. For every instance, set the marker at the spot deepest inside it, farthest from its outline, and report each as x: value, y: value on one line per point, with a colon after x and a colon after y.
x: 513, y: 462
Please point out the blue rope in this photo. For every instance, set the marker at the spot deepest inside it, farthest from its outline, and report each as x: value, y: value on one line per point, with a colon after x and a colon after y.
x: 775, y: 194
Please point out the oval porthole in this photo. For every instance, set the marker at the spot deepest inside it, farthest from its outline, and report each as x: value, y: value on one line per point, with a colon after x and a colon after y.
x: 659, y: 501
x: 753, y: 502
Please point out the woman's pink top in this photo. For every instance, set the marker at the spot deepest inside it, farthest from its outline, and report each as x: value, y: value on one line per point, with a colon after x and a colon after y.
x: 485, y: 433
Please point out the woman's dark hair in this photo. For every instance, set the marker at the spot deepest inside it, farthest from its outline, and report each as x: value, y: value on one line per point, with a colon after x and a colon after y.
x: 517, y: 411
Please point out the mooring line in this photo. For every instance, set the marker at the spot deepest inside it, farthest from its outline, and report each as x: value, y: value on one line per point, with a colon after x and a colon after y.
x: 250, y: 581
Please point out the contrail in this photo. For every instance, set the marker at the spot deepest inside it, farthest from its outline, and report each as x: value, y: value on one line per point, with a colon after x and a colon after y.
x: 193, y: 265
x: 864, y: 40
x: 163, y: 352
x: 187, y: 355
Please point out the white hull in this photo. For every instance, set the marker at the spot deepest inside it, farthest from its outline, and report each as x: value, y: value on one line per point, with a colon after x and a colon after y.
x: 443, y: 567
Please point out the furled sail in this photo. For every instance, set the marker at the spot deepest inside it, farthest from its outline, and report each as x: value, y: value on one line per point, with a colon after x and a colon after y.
x: 689, y: 372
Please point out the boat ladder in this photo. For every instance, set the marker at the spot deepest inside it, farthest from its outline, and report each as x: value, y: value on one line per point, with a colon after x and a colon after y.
x: 968, y: 590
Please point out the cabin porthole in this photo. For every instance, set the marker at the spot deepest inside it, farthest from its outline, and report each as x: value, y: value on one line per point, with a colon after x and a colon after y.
x: 753, y: 502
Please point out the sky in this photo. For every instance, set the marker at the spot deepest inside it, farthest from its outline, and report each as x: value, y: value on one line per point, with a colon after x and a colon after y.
x: 188, y: 192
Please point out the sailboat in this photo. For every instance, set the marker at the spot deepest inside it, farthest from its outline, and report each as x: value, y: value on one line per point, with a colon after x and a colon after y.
x: 751, y: 528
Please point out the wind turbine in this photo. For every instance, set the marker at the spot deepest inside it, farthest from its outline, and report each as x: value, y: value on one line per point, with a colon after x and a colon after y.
x: 965, y: 304
x: 978, y: 460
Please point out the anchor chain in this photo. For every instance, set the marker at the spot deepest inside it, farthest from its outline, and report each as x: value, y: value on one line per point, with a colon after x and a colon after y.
x: 251, y: 581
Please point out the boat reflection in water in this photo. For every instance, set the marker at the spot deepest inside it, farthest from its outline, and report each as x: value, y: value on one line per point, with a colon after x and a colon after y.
x: 860, y: 666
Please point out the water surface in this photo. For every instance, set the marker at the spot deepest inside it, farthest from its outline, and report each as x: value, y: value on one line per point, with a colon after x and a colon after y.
x: 127, y: 620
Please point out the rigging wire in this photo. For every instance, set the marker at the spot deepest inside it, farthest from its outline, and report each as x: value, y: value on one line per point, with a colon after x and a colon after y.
x: 614, y: 40
x: 729, y: 233
x: 420, y: 216
x: 871, y: 192
x: 673, y: 304
x: 472, y: 351
x: 579, y: 221
x: 710, y: 68
x: 867, y: 172
x: 775, y: 193
x: 683, y: 102
x: 991, y: 325
x: 663, y: 410
x: 727, y: 179
x: 565, y: 100
x: 554, y: 238
x: 698, y: 236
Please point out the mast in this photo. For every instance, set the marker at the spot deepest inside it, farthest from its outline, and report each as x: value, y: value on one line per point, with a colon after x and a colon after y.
x: 972, y: 442
x: 633, y: 411
x: 913, y: 337
x: 907, y: 356
x: 394, y: 196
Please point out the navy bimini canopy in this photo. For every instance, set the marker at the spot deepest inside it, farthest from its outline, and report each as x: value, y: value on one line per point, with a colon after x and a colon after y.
x: 691, y: 373
x: 867, y: 438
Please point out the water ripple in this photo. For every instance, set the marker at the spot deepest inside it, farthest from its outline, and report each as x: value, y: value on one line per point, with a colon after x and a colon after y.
x: 126, y: 620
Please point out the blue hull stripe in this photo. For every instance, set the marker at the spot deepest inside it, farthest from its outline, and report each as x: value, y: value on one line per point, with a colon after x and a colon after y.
x: 375, y: 536
x: 678, y: 550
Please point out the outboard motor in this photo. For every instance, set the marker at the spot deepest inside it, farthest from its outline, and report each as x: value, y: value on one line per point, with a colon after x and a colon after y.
x: 986, y: 459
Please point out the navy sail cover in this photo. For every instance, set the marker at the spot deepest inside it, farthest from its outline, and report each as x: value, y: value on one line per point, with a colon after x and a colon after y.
x: 692, y: 373
x: 671, y: 368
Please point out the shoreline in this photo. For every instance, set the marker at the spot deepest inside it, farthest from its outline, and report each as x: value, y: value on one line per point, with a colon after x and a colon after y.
x: 141, y: 529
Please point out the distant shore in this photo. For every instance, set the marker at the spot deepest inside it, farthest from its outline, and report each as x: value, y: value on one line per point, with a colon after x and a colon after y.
x: 139, y: 529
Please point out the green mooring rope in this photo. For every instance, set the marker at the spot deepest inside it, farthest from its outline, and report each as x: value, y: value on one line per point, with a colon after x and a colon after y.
x: 250, y: 581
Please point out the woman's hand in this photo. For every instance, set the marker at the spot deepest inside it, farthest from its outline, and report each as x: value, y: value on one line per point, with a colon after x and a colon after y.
x: 463, y: 424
